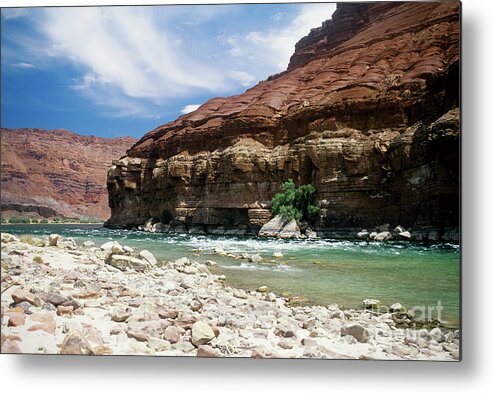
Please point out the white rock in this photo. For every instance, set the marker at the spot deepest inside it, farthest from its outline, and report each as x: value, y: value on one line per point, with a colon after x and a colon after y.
x: 255, y: 258
x: 405, y: 235
x: 371, y: 303
x: 381, y: 236
x: 128, y: 249
x: 123, y: 262
x: 363, y: 234
x: 53, y: 240
x: 107, y: 246
x: 278, y: 254
x: 290, y: 230
x: 89, y: 243
x: 357, y: 331
x: 273, y: 227
x: 147, y: 256
x: 8, y: 238
x: 117, y: 249
x: 270, y: 297
x: 202, y: 333
x: 437, y: 335
x: 239, y: 293
x: 219, y: 251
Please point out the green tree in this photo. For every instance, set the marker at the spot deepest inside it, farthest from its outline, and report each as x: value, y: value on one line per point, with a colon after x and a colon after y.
x: 296, y: 203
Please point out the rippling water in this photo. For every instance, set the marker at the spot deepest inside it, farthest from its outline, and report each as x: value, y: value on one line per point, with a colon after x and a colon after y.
x: 324, y: 271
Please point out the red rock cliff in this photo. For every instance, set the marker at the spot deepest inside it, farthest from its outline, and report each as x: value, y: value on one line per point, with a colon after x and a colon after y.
x: 366, y: 111
x: 57, y: 173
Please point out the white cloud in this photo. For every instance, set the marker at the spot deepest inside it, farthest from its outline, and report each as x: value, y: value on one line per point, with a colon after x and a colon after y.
x: 124, y: 47
x: 140, y: 61
x: 273, y: 47
x: 244, y: 78
x: 189, y: 108
x: 23, y: 65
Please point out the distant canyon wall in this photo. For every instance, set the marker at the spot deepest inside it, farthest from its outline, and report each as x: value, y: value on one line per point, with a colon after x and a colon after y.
x: 57, y: 173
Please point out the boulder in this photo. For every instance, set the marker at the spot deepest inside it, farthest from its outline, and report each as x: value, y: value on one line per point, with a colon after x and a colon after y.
x: 263, y: 289
x: 21, y: 295
x: 399, y: 229
x: 310, y: 233
x: 172, y: 334
x: 396, y: 307
x: 220, y: 251
x: 273, y: 227
x: 290, y: 231
x: 383, y: 236
x: 108, y: 246
x: 124, y: 262
x: 363, y: 234
x: 277, y: 254
x: 405, y: 235
x: 120, y: 315
x: 157, y: 227
x: 75, y: 343
x: 437, y: 335
x: 55, y: 298
x: 88, y: 243
x: 239, y: 293
x: 373, y: 235
x: 357, y: 331
x: 202, y: 333
x: 370, y: 304
x: 255, y: 258
x: 158, y: 344
x: 117, y: 249
x: 147, y: 256
x: 53, y: 240
x: 206, y: 351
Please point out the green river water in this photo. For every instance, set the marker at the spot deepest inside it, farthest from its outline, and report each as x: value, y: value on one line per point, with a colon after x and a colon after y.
x: 324, y: 271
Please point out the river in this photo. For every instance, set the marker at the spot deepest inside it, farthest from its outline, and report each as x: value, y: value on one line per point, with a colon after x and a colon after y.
x: 324, y: 271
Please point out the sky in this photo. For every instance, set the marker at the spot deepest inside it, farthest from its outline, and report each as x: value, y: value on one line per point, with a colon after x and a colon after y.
x: 117, y: 71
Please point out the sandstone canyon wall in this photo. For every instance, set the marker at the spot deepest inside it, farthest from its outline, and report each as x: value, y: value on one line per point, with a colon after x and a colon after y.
x: 57, y: 173
x: 367, y: 112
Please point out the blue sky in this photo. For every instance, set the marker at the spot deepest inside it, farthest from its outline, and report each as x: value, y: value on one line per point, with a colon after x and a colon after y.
x: 114, y: 71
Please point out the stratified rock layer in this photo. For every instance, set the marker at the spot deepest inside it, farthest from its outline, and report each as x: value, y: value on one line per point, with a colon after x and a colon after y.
x: 57, y: 173
x: 366, y: 112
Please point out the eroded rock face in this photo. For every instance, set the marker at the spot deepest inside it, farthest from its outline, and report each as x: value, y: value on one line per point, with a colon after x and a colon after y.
x: 57, y: 172
x: 366, y: 112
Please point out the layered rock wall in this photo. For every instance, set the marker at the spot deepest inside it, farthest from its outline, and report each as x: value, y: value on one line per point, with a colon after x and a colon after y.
x: 367, y: 112
x: 57, y: 172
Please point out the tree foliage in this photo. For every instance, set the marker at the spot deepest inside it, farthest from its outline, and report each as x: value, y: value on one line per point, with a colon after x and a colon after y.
x: 296, y: 203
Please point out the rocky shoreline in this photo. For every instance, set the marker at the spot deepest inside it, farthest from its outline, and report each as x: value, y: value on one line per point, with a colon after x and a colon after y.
x: 285, y: 229
x: 68, y: 298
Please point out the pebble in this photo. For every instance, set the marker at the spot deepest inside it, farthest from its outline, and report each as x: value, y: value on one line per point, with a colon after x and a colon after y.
x: 20, y: 295
x: 55, y: 298
x: 172, y: 334
x: 202, y: 333
x: 75, y: 343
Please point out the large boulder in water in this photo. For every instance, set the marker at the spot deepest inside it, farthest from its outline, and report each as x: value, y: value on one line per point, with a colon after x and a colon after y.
x: 281, y: 227
x: 273, y: 227
x: 290, y: 231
